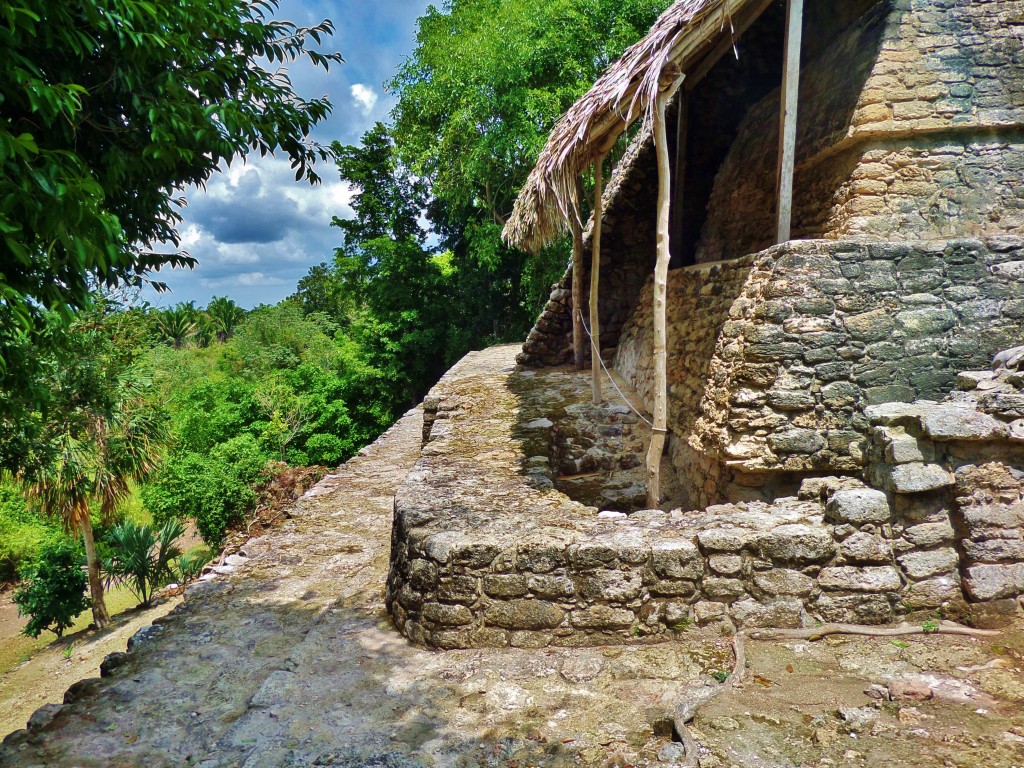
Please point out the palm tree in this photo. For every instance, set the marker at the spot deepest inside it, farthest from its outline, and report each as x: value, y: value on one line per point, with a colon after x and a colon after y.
x: 94, y: 450
x: 177, y: 325
x: 224, y: 315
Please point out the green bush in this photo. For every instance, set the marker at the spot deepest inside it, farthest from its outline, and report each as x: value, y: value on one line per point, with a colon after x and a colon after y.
x: 327, y: 450
x: 190, y: 565
x: 215, y: 490
x: 141, y: 557
x: 54, y: 589
x: 23, y: 534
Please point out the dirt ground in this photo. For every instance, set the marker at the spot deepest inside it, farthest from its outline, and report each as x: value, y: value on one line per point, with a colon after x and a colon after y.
x: 288, y: 659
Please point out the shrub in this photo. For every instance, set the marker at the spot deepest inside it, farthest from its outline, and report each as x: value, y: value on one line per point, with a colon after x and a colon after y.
x: 190, y: 565
x: 326, y: 450
x: 54, y: 589
x: 141, y: 557
x: 216, y: 490
x: 23, y: 534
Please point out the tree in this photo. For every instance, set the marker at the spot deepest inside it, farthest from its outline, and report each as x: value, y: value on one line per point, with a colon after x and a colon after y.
x: 476, y: 101
x: 224, y: 315
x: 101, y: 430
x: 178, y: 324
x: 108, y: 108
x: 141, y: 556
x: 53, y: 591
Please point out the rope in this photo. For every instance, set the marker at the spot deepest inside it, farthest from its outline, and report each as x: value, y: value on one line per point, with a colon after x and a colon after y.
x: 612, y: 380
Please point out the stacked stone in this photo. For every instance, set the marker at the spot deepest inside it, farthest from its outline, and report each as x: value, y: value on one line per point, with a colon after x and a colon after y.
x: 774, y: 357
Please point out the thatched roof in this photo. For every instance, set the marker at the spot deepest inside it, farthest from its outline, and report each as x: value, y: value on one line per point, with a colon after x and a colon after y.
x: 627, y: 90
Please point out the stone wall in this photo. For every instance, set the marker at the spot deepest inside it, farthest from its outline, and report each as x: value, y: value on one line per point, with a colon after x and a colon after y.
x: 484, y: 555
x: 773, y: 357
x: 911, y: 126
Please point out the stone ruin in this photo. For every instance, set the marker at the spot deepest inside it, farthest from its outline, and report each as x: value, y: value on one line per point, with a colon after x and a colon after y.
x: 841, y: 447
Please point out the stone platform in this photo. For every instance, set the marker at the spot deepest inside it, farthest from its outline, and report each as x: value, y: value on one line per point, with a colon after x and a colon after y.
x: 487, y: 551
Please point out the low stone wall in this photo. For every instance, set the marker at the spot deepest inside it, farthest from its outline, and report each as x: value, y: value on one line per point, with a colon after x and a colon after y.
x: 773, y: 357
x: 484, y: 553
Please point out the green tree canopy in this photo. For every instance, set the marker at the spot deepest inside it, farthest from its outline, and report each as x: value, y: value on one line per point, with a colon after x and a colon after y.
x: 108, y: 108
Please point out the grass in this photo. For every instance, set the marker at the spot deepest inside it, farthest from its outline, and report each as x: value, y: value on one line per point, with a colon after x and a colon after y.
x: 16, y: 648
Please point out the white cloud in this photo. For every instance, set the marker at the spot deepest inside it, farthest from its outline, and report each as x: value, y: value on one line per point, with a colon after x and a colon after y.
x: 364, y: 97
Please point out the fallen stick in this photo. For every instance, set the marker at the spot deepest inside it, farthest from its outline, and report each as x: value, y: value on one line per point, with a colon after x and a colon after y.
x: 695, y: 699
x: 816, y: 633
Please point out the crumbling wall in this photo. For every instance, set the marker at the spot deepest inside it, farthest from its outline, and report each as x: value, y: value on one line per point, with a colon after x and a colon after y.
x: 773, y: 357
x: 911, y: 126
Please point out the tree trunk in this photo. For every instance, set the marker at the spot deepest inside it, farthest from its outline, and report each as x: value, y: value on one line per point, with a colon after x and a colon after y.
x: 595, y: 274
x: 99, y: 607
x: 658, y: 432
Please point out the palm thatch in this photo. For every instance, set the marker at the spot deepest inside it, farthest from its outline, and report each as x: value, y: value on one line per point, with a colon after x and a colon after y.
x: 627, y: 90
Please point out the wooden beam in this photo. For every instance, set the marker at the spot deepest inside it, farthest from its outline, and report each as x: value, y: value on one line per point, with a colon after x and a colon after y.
x: 682, y: 123
x: 578, y: 346
x: 659, y: 429
x: 595, y: 277
x: 787, y: 119
x: 741, y: 23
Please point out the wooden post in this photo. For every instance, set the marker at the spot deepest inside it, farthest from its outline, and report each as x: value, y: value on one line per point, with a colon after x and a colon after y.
x: 595, y: 277
x: 787, y: 118
x: 680, y: 173
x: 659, y: 431
x: 577, y: 288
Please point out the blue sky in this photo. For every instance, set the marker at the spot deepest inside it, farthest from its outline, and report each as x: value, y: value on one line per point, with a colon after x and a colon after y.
x: 255, y: 230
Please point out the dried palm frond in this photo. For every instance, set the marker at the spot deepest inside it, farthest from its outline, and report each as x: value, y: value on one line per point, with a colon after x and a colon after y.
x: 626, y: 91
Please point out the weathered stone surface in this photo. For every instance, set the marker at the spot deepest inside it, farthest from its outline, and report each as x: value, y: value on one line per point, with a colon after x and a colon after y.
x: 796, y: 543
x: 524, y: 614
x: 551, y: 587
x: 929, y: 534
x: 448, y: 615
x: 726, y: 565
x: 718, y: 588
x: 616, y: 586
x: 704, y: 611
x: 995, y: 550
x: 676, y: 559
x: 918, y: 478
x: 779, y: 581
x: 602, y: 617
x: 724, y: 539
x: 866, y: 548
x: 960, y: 423
x: 932, y: 593
x: 868, y: 579
x: 990, y: 582
x: 776, y: 613
x: 920, y: 565
x: 858, y: 506
x: 857, y: 609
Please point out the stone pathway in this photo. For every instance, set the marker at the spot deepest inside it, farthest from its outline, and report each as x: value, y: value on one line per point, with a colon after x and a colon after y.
x: 291, y: 661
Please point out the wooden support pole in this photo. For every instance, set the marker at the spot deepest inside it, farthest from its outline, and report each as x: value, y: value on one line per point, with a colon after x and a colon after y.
x: 787, y: 118
x: 659, y: 430
x: 595, y: 277
x: 682, y: 123
x: 578, y: 343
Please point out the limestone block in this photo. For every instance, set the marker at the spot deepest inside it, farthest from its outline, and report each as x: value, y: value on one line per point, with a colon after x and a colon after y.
x: 540, y: 558
x: 524, y: 614
x: 676, y: 559
x: 989, y: 582
x: 797, y: 543
x: 931, y: 593
x: 672, y: 588
x: 505, y: 586
x: 929, y: 534
x: 994, y: 550
x: 796, y: 441
x: 726, y: 565
x: 781, y: 581
x: 704, y: 611
x: 602, y: 617
x: 551, y: 587
x: 614, y: 586
x: 905, y: 449
x: 448, y: 615
x: 776, y: 613
x: 856, y: 609
x: 724, y: 539
x: 916, y: 477
x: 719, y: 588
x: 847, y: 578
x: 921, y: 565
x: 591, y: 555
x: 858, y: 506
x: 866, y: 548
x: 459, y: 589
x: 949, y: 422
